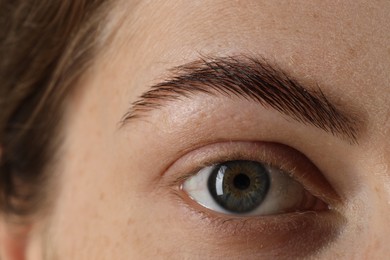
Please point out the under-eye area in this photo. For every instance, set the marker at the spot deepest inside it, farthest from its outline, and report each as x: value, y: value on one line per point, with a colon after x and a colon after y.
x: 268, y: 192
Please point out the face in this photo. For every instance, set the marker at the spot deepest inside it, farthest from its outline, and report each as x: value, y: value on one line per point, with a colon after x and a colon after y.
x: 263, y: 133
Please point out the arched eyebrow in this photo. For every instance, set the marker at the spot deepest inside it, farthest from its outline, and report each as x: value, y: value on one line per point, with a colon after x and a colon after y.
x: 253, y: 79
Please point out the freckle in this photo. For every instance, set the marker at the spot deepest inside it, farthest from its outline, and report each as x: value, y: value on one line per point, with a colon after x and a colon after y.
x: 315, y: 15
x: 203, y: 114
x: 130, y: 222
x: 102, y: 196
x: 352, y: 52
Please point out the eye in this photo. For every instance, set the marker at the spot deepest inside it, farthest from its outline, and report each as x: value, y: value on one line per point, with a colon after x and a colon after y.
x: 244, y: 187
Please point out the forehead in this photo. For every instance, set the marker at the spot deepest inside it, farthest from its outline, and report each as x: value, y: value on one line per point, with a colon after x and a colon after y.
x: 332, y: 41
x: 341, y: 45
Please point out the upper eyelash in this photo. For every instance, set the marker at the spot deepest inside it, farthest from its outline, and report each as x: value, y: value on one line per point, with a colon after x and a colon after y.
x: 282, y: 166
x: 286, y: 161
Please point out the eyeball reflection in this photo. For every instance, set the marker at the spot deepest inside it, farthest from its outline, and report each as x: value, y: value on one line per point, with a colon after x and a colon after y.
x: 247, y: 188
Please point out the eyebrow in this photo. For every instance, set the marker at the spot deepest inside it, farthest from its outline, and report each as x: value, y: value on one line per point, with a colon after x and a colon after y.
x: 253, y: 79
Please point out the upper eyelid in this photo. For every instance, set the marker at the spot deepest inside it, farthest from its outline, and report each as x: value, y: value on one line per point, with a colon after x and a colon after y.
x: 275, y: 155
x: 256, y: 80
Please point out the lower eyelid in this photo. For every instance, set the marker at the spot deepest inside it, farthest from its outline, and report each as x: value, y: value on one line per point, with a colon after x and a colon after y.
x: 308, y: 231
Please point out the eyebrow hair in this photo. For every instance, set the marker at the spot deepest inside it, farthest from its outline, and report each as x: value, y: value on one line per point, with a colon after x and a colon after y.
x: 253, y: 79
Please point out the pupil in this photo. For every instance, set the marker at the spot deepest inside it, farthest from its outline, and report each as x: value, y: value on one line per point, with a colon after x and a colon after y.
x: 241, y: 181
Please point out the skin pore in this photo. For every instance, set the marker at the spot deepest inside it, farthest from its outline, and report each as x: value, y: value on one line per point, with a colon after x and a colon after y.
x: 118, y: 187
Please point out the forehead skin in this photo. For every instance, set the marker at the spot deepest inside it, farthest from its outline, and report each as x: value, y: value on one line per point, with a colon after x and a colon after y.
x: 108, y: 207
x: 341, y: 46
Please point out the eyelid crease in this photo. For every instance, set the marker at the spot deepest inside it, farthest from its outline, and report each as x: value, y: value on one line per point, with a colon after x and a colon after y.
x: 255, y: 80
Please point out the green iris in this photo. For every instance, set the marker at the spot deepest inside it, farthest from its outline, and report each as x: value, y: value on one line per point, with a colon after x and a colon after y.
x: 239, y: 186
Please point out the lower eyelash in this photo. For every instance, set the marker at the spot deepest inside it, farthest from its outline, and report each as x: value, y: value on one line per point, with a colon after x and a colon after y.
x: 297, y: 235
x: 237, y: 224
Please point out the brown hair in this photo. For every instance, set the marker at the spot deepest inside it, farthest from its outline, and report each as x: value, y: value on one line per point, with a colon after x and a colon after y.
x: 45, y: 45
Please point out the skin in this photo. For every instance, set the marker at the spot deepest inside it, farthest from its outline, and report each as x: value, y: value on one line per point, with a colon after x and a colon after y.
x: 116, y: 189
